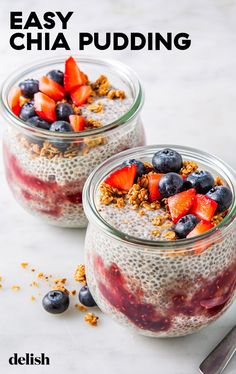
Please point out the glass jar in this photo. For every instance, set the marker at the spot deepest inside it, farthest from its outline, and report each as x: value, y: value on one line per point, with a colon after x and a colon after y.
x: 160, y: 288
x: 47, y: 183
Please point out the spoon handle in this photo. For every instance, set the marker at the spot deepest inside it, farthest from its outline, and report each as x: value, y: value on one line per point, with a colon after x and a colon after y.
x: 218, y: 359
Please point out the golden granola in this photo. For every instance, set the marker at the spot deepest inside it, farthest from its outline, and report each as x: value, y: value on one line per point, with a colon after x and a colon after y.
x: 92, y: 142
x: 156, y: 232
x: 34, y: 284
x: 170, y: 235
x: 109, y: 194
x: 143, y: 181
x: 60, y: 288
x: 101, y: 86
x: 33, y: 298
x: 137, y: 195
x: 148, y: 166
x: 73, y: 292
x: 219, y: 217
x: 60, y: 281
x: 116, y: 94
x: 80, y: 275
x: 91, y: 319
x: 158, y: 220
x: 81, y: 307
x: 188, y: 168
x: 24, y: 265
x: 96, y: 108
x: 15, y: 288
x: 219, y: 181
x: 94, y: 123
x: 150, y: 206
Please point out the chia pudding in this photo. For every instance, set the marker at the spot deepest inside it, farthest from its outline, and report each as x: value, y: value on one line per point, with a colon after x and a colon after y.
x: 60, y: 124
x: 161, y: 242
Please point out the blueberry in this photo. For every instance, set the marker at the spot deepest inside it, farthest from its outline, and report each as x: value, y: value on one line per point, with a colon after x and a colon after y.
x: 185, y: 225
x: 222, y: 195
x: 85, y: 297
x: 186, y: 185
x: 38, y: 122
x: 29, y: 87
x: 167, y: 160
x: 140, y: 166
x: 56, y: 76
x: 27, y: 111
x: 63, y: 111
x: 56, y: 302
x: 61, y: 126
x: 170, y: 184
x: 202, y: 181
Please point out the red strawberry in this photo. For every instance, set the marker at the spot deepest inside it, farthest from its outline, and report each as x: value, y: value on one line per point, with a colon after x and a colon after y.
x: 201, y: 227
x: 204, y: 207
x: 181, y: 203
x: 123, y: 178
x: 81, y: 95
x: 73, y: 77
x: 77, y: 122
x: 14, y: 100
x: 45, y: 107
x: 153, y: 180
x: 51, y: 88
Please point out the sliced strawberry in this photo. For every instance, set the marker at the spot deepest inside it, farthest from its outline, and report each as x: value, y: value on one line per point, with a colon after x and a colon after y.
x: 123, y: 179
x: 45, y: 107
x: 201, y: 227
x: 77, y: 122
x: 14, y: 100
x: 73, y: 77
x: 81, y: 95
x: 181, y: 203
x: 204, y: 207
x: 153, y: 180
x: 51, y: 88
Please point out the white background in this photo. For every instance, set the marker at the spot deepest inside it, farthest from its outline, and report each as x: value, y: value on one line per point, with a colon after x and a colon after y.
x: 190, y: 100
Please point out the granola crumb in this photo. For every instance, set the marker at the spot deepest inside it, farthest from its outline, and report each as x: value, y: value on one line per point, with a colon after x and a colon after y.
x: 33, y: 298
x: 116, y: 94
x: 137, y: 195
x: 0, y: 285
x: 80, y: 275
x: 40, y: 275
x: 73, y: 292
x: 170, y: 235
x: 15, y: 288
x: 96, y: 108
x: 91, y: 122
x: 1, y: 278
x: 218, y: 218
x: 81, y: 307
x: 219, y: 181
x: 101, y: 86
x: 34, y: 284
x: 60, y: 281
x: 141, y: 213
x: 156, y: 232
x: 33, y: 270
x: 158, y: 220
x: 24, y: 265
x: 188, y: 168
x: 91, y: 319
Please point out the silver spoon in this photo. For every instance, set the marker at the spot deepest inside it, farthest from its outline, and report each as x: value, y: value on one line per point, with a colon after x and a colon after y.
x: 219, y: 358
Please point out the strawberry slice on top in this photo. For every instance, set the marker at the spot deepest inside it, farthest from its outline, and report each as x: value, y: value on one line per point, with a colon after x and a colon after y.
x: 200, y: 228
x: 81, y: 95
x: 51, y: 88
x: 14, y: 100
x: 45, y: 107
x: 73, y: 76
x: 204, y: 207
x: 181, y: 203
x: 77, y: 122
x: 123, y: 178
x: 153, y: 180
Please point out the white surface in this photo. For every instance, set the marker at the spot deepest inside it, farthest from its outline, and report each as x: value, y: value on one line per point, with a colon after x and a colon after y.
x: 190, y: 99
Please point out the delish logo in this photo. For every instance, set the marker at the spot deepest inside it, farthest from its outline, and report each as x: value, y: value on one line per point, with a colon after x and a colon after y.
x: 29, y: 359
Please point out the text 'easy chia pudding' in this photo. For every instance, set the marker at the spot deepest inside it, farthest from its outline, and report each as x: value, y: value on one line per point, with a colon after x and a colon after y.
x: 161, y: 244
x: 62, y: 120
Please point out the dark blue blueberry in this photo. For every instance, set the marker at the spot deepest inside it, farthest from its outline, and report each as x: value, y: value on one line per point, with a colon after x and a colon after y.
x: 202, y: 181
x: 27, y: 111
x: 38, y: 122
x: 140, y: 167
x: 185, y: 225
x: 29, y: 87
x: 56, y: 302
x: 170, y: 184
x: 85, y: 297
x: 57, y: 76
x: 61, y: 126
x: 186, y: 185
x: 222, y: 195
x: 63, y: 111
x: 167, y: 160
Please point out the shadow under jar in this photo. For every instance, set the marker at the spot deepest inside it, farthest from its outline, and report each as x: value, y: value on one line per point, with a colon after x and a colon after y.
x: 160, y: 288
x: 50, y: 185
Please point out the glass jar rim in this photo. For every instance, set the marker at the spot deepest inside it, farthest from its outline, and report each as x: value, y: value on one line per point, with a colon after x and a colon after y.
x: 95, y: 178
x: 117, y: 66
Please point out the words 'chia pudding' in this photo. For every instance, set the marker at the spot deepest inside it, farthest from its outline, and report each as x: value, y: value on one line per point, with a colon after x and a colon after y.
x: 161, y: 244
x: 62, y: 122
